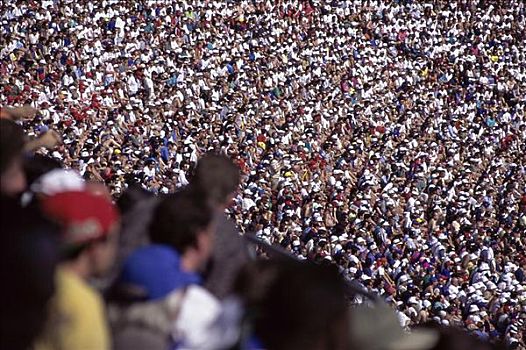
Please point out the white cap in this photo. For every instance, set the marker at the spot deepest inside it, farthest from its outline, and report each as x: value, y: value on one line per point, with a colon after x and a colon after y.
x: 473, y: 308
x: 57, y: 181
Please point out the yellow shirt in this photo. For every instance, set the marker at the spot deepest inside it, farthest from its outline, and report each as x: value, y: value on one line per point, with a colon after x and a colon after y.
x: 79, y: 317
x: 424, y: 72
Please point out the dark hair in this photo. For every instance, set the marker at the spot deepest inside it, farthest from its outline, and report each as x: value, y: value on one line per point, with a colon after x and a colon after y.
x: 295, y: 305
x: 452, y: 338
x: 11, y: 142
x: 178, y: 218
x: 133, y: 195
x: 38, y: 165
x: 216, y: 176
x: 29, y: 255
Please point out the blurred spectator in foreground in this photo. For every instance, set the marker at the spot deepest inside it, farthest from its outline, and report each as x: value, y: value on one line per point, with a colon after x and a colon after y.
x: 38, y: 165
x: 13, y: 144
x: 383, y: 136
x: 12, y: 177
x: 136, y: 206
x: 451, y: 338
x: 15, y: 113
x: 29, y: 254
x: 376, y: 327
x: 160, y: 303
x: 217, y: 178
x: 90, y: 237
x: 294, y: 305
x: 47, y: 138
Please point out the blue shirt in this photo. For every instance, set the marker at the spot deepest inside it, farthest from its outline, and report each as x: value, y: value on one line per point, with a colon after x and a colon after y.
x: 165, y: 153
x: 157, y: 270
x: 482, y: 335
x: 172, y: 81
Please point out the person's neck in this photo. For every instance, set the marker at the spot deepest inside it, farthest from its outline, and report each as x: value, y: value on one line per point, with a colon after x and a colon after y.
x: 79, y: 267
x: 190, y: 261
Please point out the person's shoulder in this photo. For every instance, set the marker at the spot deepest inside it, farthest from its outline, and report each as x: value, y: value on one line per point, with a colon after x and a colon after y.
x: 225, y: 224
x: 81, y: 312
x: 198, y: 308
x: 72, y: 289
x: 228, y: 238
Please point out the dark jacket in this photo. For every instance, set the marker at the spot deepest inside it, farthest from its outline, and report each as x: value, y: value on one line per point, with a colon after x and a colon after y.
x: 230, y: 253
x: 146, y: 325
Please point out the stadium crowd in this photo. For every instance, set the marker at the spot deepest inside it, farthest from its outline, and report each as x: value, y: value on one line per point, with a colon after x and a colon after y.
x: 383, y: 137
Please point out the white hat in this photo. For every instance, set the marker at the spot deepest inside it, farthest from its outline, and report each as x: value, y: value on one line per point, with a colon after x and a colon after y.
x: 412, y: 300
x: 484, y: 266
x: 475, y: 319
x: 473, y: 308
x: 403, y: 279
x: 57, y: 181
x: 492, y: 286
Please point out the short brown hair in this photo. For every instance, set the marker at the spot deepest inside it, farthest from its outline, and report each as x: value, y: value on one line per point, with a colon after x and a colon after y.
x: 216, y: 176
x: 178, y: 218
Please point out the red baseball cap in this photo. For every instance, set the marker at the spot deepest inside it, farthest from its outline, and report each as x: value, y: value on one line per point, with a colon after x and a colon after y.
x: 84, y: 216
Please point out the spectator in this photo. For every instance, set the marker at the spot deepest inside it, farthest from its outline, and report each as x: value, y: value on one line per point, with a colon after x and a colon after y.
x: 217, y: 178
x: 12, y: 177
x: 294, y: 306
x: 386, y: 137
x: 181, y: 246
x: 29, y: 255
x: 89, y: 225
x: 368, y: 322
x: 12, y: 147
x: 453, y: 338
x: 181, y: 235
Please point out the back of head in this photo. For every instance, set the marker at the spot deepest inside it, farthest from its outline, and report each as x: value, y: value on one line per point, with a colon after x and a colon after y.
x: 132, y: 196
x: 297, y: 306
x: 456, y: 339
x: 178, y: 220
x: 85, y: 219
x: 217, y: 177
x: 29, y: 256
x: 38, y: 165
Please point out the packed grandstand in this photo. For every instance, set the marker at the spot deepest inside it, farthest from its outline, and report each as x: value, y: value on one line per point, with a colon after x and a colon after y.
x: 386, y: 138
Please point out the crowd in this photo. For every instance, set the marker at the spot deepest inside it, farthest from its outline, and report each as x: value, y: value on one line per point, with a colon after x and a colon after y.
x: 384, y: 137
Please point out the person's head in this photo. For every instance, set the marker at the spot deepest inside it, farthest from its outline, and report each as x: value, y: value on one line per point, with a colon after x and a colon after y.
x: 295, y: 305
x: 133, y: 195
x: 89, y: 230
x: 12, y: 177
x: 29, y: 254
x: 217, y: 177
x: 453, y: 338
x: 38, y: 165
x: 184, y: 221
